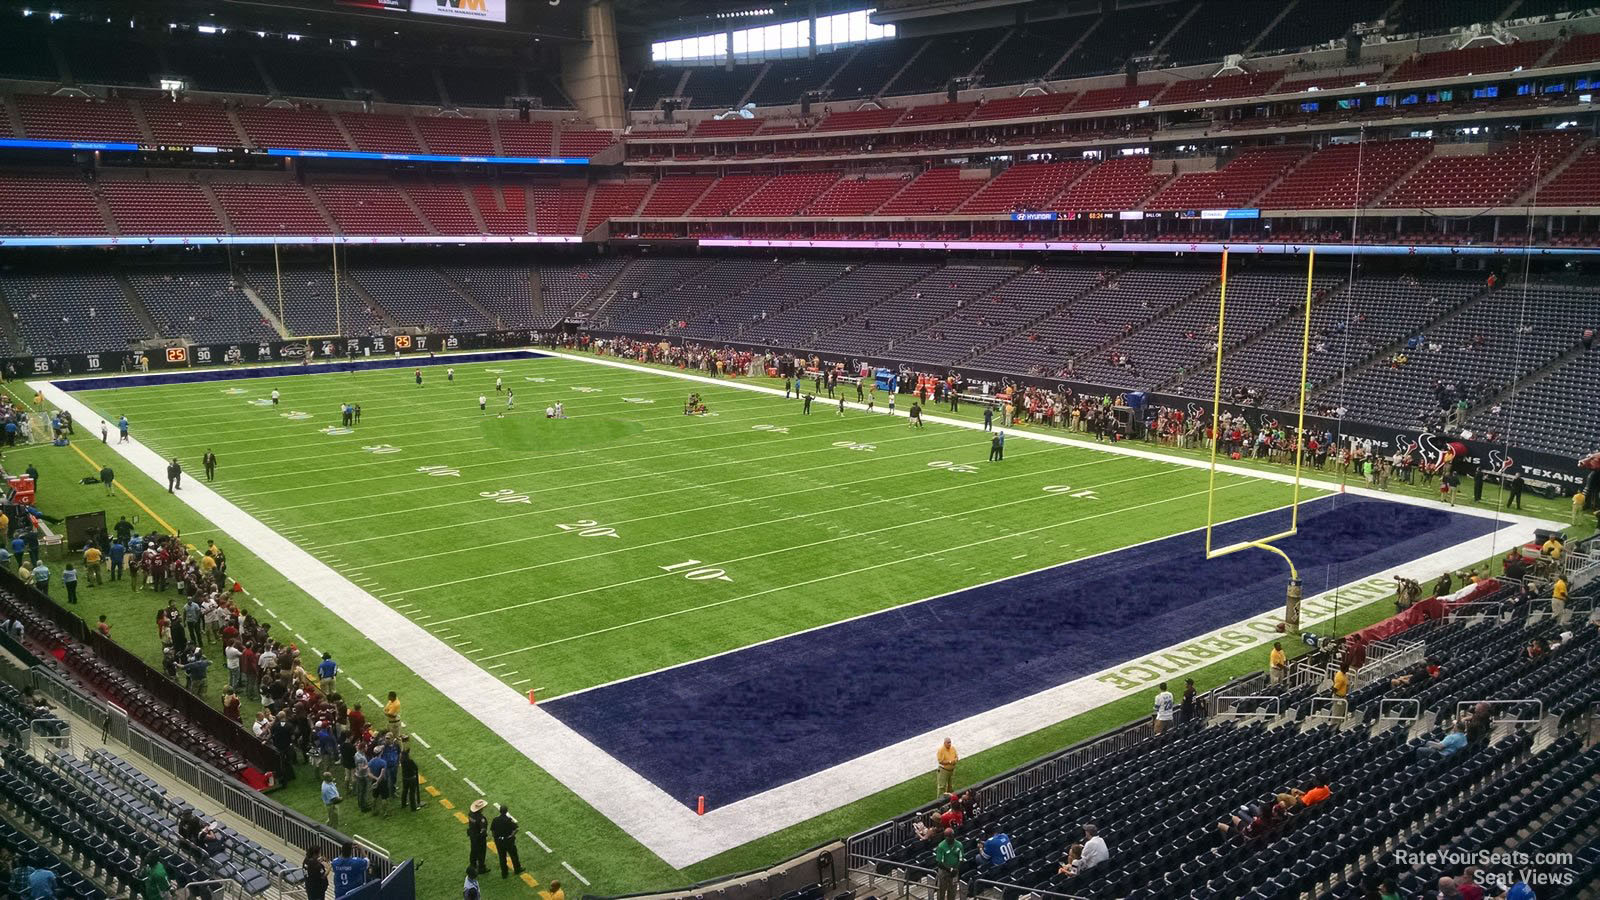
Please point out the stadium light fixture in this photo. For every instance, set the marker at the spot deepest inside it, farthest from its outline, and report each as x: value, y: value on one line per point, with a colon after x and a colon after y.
x: 26, y: 12
x: 54, y: 15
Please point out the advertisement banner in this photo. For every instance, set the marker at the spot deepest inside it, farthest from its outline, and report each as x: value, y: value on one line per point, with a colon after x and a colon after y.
x: 471, y: 10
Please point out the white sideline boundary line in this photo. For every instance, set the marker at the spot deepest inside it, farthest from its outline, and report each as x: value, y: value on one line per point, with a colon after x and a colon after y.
x: 663, y: 824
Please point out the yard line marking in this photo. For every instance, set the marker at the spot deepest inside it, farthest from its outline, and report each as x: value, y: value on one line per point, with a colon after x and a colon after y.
x: 440, y: 758
x: 1019, y: 556
x: 702, y: 534
x: 845, y: 537
x: 506, y: 674
x: 473, y: 786
x: 497, y: 666
x: 276, y: 428
x: 567, y: 488
x: 301, y: 638
x: 286, y: 625
x: 830, y: 577
x: 568, y: 866
x: 375, y: 700
x: 354, y: 683
x: 269, y: 612
x: 699, y: 508
x: 521, y: 681
x: 420, y: 740
x: 535, y: 838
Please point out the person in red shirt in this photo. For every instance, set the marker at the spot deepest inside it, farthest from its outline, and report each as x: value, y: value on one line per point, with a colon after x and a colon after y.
x: 358, y: 722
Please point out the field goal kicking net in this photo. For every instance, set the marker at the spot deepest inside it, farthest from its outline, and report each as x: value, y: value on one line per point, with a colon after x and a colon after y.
x: 1291, y: 611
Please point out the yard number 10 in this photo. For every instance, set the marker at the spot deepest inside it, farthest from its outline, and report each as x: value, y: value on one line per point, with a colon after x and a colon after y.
x: 697, y: 574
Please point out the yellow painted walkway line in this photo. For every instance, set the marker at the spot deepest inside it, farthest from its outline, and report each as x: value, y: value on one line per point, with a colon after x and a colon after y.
x: 123, y: 488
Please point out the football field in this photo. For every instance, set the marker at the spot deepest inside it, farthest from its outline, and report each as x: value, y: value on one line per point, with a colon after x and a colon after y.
x: 564, y: 554
x: 776, y: 611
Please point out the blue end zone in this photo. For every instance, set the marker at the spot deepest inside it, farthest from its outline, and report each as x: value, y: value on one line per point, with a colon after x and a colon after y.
x: 192, y: 376
x: 744, y: 722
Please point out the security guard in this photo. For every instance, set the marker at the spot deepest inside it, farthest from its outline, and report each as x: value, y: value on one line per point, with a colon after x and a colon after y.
x: 504, y: 829
x: 477, y: 837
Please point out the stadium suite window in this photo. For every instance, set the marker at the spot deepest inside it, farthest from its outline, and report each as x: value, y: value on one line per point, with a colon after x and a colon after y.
x: 780, y: 41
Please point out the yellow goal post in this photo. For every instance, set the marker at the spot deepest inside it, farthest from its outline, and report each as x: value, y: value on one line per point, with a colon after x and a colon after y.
x: 1292, y: 603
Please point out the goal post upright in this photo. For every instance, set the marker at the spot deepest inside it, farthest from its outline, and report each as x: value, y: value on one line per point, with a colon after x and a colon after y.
x: 1293, y: 594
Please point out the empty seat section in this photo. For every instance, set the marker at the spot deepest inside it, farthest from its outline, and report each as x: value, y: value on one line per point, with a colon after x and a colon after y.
x: 615, y: 198
x: 787, y: 80
x: 380, y: 133
x: 866, y: 73
x: 1493, y: 179
x: 734, y: 127
x: 1471, y: 61
x: 798, y: 280
x: 307, y: 74
x: 504, y: 207
x: 77, y: 119
x: 160, y: 207
x: 416, y: 295
x: 1116, y: 98
x: 301, y: 129
x: 1032, y: 50
x: 938, y: 113
x: 190, y: 123
x: 1342, y: 176
x: 786, y: 195
x: 43, y: 205
x: 77, y: 313
x: 444, y: 206
x: 1026, y: 186
x: 661, y: 312
x: 1232, y: 186
x: 201, y: 305
x: 585, y: 143
x: 989, y: 316
x: 865, y: 284
x: 562, y: 288
x: 947, y: 56
x: 728, y: 192
x: 856, y: 195
x: 372, y: 207
x: 879, y: 329
x: 674, y: 194
x: 1120, y: 35
x: 467, y: 137
x: 937, y: 190
x: 1029, y: 107
x: 1116, y: 184
x: 557, y: 204
x: 270, y: 208
x: 1577, y: 185
x: 526, y: 138
x: 713, y: 87
x: 1223, y: 87
x: 860, y: 119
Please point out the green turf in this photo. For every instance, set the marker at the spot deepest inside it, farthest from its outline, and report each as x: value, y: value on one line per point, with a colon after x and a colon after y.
x: 559, y: 550
x: 674, y: 488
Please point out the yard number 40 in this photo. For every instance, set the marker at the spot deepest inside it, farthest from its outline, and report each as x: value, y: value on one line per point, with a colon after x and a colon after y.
x: 697, y: 574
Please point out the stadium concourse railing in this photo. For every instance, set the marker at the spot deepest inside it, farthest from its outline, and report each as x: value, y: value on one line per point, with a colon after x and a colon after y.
x: 876, y: 843
x: 194, y: 709
x: 117, y: 727
x: 259, y: 810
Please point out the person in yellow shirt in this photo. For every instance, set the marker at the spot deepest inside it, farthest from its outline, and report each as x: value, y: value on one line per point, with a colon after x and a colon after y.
x: 391, y: 711
x: 1277, y: 663
x: 1558, y: 596
x: 5, y: 526
x: 945, y: 775
x: 91, y: 564
x: 554, y: 893
x: 1341, y: 690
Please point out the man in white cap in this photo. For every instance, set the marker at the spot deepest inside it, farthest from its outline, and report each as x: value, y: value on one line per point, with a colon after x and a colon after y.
x: 477, y: 837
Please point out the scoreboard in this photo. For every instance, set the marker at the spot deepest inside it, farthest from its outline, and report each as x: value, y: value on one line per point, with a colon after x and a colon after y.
x: 460, y: 10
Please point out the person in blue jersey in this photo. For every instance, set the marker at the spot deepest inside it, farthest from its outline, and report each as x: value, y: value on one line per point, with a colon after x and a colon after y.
x: 997, y: 850
x: 349, y: 870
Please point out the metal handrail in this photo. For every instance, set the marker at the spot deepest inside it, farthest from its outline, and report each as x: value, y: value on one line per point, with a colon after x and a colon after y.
x: 1275, y: 708
x: 1003, y: 885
